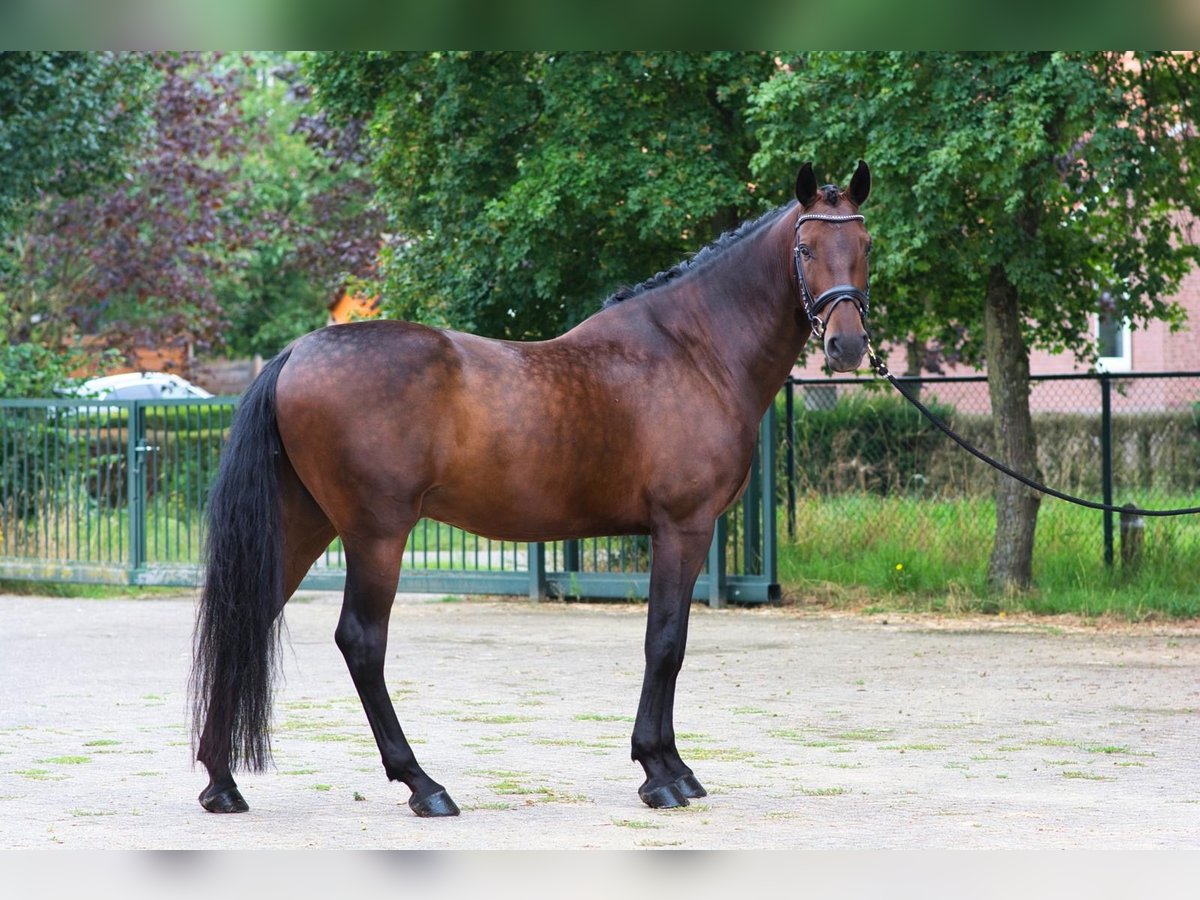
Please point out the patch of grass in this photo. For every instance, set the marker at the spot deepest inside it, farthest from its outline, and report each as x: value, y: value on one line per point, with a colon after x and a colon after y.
x: 102, y: 742
x: 721, y: 754
x: 905, y: 747
x: 561, y: 742
x: 603, y: 717
x: 535, y: 793
x: 635, y: 823
x: 39, y: 775
x: 824, y: 792
x: 788, y: 734
x: 87, y: 813
x: 863, y: 734
x: 322, y: 787
x: 66, y: 760
x: 1086, y: 776
x: 71, y: 590
x: 852, y: 543
x: 506, y: 719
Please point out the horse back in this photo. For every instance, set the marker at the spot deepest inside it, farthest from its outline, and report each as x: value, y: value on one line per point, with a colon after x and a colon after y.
x: 584, y: 434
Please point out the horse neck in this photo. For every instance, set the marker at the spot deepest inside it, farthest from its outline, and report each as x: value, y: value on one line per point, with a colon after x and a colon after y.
x: 740, y: 320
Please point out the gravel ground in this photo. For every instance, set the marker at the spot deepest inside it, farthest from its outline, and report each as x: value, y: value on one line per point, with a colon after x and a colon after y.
x: 810, y: 730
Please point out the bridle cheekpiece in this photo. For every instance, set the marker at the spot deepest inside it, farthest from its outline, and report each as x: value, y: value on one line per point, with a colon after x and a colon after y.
x: 836, y: 294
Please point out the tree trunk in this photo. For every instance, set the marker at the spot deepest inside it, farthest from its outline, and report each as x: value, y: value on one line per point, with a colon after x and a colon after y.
x: 1011, y: 565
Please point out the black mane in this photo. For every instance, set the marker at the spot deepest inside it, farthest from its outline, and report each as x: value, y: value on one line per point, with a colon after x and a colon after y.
x: 702, y: 256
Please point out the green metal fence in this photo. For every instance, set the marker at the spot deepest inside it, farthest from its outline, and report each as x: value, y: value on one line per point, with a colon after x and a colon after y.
x: 113, y: 492
x: 1117, y: 438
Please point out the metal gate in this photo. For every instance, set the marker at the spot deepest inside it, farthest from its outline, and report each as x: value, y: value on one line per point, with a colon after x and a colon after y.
x: 113, y: 492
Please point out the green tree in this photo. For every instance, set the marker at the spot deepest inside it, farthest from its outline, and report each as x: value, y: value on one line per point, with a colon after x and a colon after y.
x: 67, y: 121
x: 1013, y: 191
x: 233, y: 222
x: 318, y: 228
x: 523, y: 187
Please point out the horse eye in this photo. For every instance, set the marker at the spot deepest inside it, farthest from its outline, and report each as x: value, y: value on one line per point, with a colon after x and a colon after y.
x: 805, y: 252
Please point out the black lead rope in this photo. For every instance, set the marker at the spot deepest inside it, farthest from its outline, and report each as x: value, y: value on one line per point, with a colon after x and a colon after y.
x: 882, y: 371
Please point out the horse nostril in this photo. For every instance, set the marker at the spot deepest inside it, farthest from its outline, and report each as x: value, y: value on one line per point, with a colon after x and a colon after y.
x: 833, y: 346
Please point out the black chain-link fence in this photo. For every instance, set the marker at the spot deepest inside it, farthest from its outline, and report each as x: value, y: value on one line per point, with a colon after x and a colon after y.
x: 1112, y: 438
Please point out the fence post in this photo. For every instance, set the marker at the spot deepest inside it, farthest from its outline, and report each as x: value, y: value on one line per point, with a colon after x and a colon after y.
x: 1133, y: 535
x: 536, y: 556
x: 717, y: 591
x: 789, y: 409
x: 135, y: 486
x: 1106, y: 464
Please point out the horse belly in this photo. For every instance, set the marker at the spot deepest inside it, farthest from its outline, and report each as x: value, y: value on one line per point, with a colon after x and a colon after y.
x: 532, y: 493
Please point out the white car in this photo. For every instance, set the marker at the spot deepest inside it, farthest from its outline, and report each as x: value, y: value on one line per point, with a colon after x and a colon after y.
x: 139, y: 386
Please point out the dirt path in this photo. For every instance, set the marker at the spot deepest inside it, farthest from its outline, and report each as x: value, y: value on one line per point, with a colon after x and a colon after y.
x: 810, y: 731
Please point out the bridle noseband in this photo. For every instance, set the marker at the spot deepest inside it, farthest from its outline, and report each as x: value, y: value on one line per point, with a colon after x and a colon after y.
x: 836, y: 294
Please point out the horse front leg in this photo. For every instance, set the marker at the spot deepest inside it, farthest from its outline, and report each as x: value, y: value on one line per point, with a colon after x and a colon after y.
x: 679, y: 554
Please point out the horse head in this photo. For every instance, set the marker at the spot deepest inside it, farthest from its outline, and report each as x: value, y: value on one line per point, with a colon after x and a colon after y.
x: 831, y: 253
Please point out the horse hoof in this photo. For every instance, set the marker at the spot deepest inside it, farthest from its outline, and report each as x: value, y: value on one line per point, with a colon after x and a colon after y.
x: 689, y: 785
x: 436, y: 804
x: 668, y: 796
x: 229, y: 800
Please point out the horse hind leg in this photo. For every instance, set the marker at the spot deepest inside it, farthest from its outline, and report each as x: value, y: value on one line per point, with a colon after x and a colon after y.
x: 372, y: 573
x: 306, y: 534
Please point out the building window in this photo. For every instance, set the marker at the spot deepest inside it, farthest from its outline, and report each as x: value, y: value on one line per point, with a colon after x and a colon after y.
x: 1112, y: 338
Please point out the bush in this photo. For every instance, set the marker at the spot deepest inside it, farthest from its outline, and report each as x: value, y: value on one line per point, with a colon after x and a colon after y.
x: 878, y: 444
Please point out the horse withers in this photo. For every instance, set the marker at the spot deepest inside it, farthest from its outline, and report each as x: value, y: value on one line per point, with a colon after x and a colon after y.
x: 357, y: 431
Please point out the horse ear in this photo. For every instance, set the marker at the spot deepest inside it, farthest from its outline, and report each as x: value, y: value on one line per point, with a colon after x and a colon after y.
x: 806, y: 185
x: 860, y: 184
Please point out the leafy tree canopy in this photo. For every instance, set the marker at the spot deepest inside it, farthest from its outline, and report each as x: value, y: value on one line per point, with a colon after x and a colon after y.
x: 234, y: 220
x: 1071, y: 172
x: 67, y: 120
x: 524, y: 187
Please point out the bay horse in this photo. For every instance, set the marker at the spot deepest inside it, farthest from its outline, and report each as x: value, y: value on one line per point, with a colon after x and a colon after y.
x: 640, y: 420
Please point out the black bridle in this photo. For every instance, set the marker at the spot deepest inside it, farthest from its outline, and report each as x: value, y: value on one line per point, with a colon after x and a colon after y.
x: 836, y: 294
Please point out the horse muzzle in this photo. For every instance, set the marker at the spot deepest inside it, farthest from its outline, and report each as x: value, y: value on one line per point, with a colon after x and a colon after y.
x: 845, y: 352
x: 845, y: 330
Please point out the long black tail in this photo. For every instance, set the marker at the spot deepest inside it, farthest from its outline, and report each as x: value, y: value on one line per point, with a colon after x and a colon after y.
x: 237, y: 640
